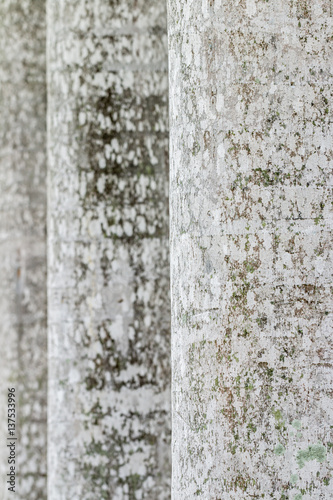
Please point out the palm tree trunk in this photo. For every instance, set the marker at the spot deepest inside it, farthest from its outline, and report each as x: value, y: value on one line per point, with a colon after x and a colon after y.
x: 108, y: 285
x: 250, y: 257
x: 23, y: 244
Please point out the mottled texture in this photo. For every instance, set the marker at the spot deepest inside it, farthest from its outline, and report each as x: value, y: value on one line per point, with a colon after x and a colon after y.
x: 251, y: 261
x: 23, y: 241
x: 108, y: 285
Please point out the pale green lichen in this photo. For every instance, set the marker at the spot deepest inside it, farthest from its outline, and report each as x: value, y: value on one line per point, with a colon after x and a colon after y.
x: 313, y: 452
x: 279, y: 449
x: 294, y: 478
x: 297, y: 424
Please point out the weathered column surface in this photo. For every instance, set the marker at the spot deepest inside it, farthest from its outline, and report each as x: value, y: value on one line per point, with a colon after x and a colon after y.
x: 251, y: 137
x: 108, y: 287
x: 23, y: 362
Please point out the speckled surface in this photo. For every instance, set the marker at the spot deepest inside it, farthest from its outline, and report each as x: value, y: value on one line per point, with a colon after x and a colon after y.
x: 251, y: 261
x: 108, y: 269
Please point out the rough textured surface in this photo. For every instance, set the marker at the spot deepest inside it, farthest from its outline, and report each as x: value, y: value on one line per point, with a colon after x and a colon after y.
x: 108, y: 286
x: 251, y: 137
x: 23, y: 241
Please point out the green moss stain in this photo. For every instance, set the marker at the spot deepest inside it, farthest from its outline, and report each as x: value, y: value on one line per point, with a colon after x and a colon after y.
x: 277, y: 414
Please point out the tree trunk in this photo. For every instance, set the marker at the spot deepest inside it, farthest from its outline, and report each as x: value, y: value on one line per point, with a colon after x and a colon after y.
x: 23, y: 243
x: 108, y: 285
x: 250, y: 97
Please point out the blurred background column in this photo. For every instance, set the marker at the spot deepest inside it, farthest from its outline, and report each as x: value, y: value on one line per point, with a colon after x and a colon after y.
x: 23, y: 335
x: 108, y: 283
